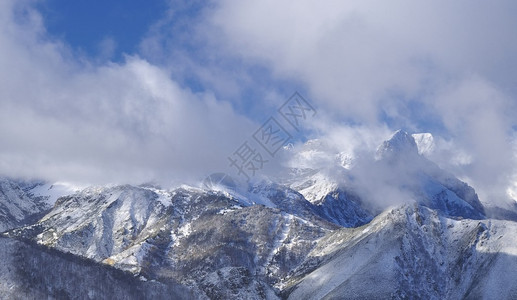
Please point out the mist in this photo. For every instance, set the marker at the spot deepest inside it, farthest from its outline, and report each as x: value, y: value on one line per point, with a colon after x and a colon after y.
x: 368, y: 68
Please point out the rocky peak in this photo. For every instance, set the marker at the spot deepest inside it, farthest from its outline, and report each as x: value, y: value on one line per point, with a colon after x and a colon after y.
x: 401, y: 143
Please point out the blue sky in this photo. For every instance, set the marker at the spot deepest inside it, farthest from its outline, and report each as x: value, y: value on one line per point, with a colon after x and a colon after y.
x: 130, y: 90
x: 90, y: 27
x: 84, y: 25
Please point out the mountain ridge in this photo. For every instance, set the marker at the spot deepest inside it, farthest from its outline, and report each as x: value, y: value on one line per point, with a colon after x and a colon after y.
x: 312, y: 236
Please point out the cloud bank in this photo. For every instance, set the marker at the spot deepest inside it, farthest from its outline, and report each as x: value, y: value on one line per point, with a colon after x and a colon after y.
x: 64, y: 117
x: 445, y: 67
x: 209, y: 72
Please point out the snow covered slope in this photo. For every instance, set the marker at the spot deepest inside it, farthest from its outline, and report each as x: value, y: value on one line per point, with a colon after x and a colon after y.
x: 221, y: 248
x: 424, y: 180
x: 425, y: 143
x: 17, y: 207
x: 317, y: 233
x: 29, y: 271
x: 50, y: 192
x: 189, y: 235
x: 349, y: 197
x: 411, y: 252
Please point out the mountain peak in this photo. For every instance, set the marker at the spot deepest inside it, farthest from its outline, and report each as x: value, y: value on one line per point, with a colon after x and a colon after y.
x: 425, y: 143
x: 400, y: 143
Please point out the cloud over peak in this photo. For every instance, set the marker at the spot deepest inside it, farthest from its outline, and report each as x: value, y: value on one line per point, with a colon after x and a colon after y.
x: 207, y: 74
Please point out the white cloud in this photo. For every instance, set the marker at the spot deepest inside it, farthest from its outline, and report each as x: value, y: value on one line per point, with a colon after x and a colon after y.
x: 354, y: 54
x: 438, y: 66
x: 107, y: 47
x: 67, y: 118
x: 374, y: 62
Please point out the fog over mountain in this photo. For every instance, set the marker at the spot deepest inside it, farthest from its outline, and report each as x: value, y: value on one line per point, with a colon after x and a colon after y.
x: 238, y: 150
x: 73, y: 117
x: 422, y: 233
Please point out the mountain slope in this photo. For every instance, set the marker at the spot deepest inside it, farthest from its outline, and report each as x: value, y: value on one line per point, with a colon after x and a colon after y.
x: 29, y: 271
x: 17, y: 207
x: 352, y: 196
x: 319, y: 233
x: 411, y: 252
x: 189, y: 235
x: 429, y: 185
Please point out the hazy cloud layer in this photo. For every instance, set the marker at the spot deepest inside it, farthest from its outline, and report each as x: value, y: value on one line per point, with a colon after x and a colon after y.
x: 369, y: 67
x: 441, y: 66
x: 63, y: 117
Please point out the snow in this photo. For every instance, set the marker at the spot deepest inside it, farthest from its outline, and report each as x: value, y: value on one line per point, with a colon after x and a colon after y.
x: 259, y: 199
x: 316, y: 153
x: 407, y: 244
x: 164, y: 197
x: 329, y: 276
x: 345, y: 160
x: 227, y: 210
x: 511, y: 191
x: 246, y: 198
x: 425, y: 143
x: 321, y: 186
x: 179, y: 233
x: 52, y: 191
x: 280, y: 239
x: 417, y: 246
x: 185, y: 230
x: 400, y: 143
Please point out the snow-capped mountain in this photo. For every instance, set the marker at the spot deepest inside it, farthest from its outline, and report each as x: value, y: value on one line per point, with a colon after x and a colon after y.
x: 411, y: 252
x: 187, y: 234
x: 398, y: 166
x: 29, y: 271
x: 425, y: 143
x: 425, y: 181
x: 17, y: 208
x: 400, y: 144
x: 317, y: 233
